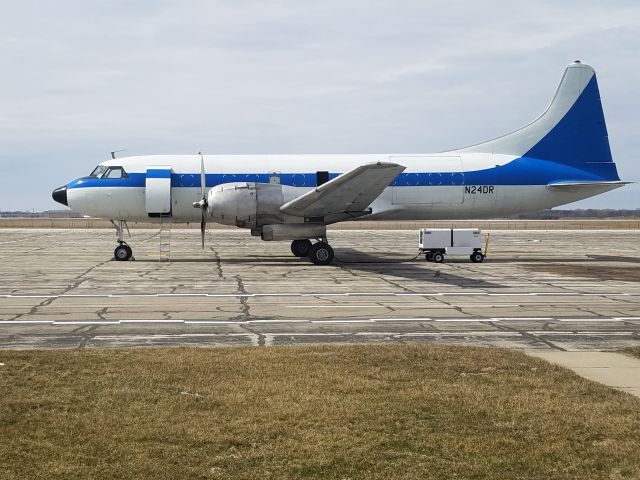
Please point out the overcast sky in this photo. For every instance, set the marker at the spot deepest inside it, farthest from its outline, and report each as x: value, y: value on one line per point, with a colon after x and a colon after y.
x: 82, y: 78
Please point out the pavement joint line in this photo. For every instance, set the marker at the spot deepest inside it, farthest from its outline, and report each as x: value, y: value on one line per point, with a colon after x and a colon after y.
x: 26, y: 322
x: 417, y: 319
x: 172, y: 335
x: 342, y: 321
x: 151, y: 321
x: 522, y: 318
x: 464, y: 320
x: 590, y: 320
x: 276, y: 321
x: 515, y: 294
x: 182, y: 294
x: 335, y: 306
x: 213, y: 322
x: 596, y: 333
x: 328, y: 294
x: 72, y: 322
x: 491, y: 333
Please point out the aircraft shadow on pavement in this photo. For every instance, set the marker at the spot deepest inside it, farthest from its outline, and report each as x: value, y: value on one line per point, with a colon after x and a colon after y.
x: 411, y: 267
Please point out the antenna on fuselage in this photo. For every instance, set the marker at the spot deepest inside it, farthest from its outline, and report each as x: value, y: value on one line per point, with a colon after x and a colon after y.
x: 113, y: 153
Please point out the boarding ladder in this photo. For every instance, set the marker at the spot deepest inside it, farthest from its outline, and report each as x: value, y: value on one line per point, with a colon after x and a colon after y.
x: 164, y: 253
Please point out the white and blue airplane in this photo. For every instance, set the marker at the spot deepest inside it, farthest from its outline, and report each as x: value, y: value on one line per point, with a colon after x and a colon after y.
x: 561, y: 157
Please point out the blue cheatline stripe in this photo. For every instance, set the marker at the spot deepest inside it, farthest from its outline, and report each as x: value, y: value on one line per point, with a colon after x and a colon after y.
x: 159, y: 173
x: 521, y: 171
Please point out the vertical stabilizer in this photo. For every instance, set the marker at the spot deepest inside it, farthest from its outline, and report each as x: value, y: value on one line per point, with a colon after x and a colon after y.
x: 572, y: 131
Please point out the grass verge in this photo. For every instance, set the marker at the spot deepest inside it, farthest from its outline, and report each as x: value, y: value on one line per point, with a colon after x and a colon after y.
x: 634, y: 351
x: 374, y: 412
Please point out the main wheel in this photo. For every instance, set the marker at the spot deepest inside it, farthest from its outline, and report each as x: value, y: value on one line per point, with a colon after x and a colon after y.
x: 438, y: 257
x: 300, y: 248
x: 477, y: 257
x: 321, y: 253
x: 122, y: 253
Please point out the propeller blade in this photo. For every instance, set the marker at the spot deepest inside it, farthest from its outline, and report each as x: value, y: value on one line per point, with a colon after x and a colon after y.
x: 203, y: 202
x: 203, y: 226
x: 203, y: 179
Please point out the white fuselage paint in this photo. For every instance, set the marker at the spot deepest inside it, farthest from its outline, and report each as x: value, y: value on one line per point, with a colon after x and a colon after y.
x: 395, y: 203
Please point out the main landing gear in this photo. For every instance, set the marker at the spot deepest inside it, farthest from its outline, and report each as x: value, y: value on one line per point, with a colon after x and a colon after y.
x: 320, y: 253
x: 301, y: 248
x: 123, y: 252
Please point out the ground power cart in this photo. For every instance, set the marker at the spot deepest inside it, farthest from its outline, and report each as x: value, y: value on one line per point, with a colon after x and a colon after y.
x: 435, y: 243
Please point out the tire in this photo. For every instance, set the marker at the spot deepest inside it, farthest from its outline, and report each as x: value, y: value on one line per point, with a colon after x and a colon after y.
x: 321, y: 253
x: 438, y: 257
x: 429, y: 257
x: 477, y: 257
x: 300, y: 248
x: 122, y: 253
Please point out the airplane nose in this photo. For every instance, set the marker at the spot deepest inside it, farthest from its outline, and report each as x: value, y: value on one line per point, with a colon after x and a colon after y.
x: 60, y: 195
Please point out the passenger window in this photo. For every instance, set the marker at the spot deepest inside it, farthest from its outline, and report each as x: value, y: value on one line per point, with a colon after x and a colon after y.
x: 115, y: 172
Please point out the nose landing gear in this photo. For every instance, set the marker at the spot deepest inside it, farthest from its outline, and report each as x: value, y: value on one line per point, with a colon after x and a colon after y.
x: 123, y: 252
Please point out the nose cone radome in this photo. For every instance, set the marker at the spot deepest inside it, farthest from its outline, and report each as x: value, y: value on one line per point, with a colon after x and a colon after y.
x: 60, y: 196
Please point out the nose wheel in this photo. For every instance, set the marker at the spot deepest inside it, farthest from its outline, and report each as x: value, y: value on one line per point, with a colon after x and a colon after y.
x: 123, y: 252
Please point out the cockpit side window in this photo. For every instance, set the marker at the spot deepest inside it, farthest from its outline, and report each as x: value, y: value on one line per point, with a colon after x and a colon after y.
x: 115, y: 172
x: 98, y: 171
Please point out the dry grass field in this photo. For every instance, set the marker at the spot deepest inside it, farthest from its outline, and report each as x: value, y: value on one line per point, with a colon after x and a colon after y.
x: 348, y: 412
x: 635, y: 351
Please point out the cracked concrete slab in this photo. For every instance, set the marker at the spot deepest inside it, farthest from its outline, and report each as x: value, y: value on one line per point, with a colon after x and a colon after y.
x: 537, y: 290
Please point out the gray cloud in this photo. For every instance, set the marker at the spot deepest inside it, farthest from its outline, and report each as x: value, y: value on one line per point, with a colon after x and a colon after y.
x: 82, y: 78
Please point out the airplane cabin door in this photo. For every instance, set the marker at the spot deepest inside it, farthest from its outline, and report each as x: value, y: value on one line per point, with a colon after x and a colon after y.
x: 158, y: 191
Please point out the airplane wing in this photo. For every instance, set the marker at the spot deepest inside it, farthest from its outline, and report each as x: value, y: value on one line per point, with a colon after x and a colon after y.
x: 353, y: 191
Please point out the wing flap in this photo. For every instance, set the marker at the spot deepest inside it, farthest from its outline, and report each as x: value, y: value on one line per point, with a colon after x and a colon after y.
x: 353, y: 191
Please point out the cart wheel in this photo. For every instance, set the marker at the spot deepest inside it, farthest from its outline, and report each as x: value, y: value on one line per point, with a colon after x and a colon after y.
x: 438, y: 257
x: 477, y: 257
x: 429, y: 257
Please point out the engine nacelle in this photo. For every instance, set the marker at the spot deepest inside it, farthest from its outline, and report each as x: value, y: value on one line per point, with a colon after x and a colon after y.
x: 247, y: 204
x: 293, y: 231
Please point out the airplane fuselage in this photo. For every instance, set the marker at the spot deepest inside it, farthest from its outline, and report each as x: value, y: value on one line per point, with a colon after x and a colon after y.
x: 450, y: 185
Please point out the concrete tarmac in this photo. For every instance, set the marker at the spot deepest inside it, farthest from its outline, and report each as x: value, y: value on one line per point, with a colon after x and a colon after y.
x: 537, y: 290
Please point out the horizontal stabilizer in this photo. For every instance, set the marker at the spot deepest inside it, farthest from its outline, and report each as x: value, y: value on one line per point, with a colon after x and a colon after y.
x: 587, y: 184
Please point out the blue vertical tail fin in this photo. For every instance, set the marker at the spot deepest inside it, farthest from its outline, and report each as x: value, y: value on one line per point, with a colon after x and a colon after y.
x: 572, y: 130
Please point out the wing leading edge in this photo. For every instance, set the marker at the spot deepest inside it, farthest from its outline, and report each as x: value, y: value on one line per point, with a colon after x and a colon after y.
x: 352, y: 192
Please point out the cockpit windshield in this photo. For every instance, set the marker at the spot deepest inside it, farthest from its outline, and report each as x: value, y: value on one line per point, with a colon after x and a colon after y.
x: 105, y: 171
x: 98, y: 171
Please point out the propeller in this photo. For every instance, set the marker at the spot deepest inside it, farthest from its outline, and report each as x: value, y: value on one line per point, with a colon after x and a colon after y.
x: 202, y: 204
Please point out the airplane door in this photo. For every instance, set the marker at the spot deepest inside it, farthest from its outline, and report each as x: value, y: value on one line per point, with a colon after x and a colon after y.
x: 158, y: 191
